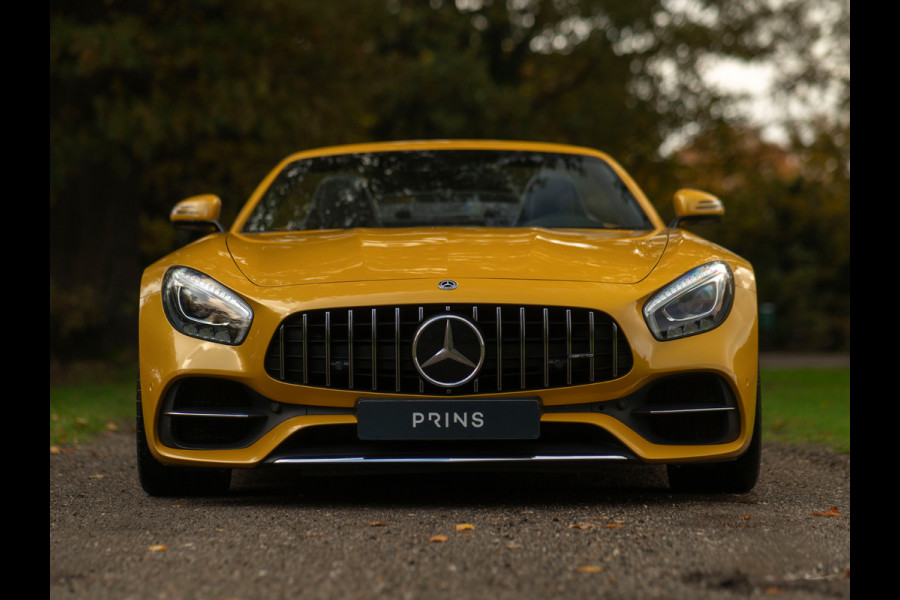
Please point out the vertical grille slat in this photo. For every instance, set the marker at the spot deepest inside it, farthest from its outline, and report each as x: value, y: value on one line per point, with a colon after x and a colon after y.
x: 546, y: 336
x: 526, y: 348
x: 281, y: 352
x: 305, y: 352
x: 327, y: 349
x: 591, y: 351
x: 615, y: 351
x: 499, y: 349
x: 350, y: 348
x: 568, y: 347
x: 522, y: 353
x: 396, y: 348
x: 374, y: 324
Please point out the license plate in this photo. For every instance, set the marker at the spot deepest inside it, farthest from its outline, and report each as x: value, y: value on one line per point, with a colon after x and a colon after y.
x: 439, y: 419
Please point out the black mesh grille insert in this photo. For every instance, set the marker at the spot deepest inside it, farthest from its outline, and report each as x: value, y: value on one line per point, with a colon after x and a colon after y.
x: 695, y: 408
x: 205, y: 412
x: 370, y: 349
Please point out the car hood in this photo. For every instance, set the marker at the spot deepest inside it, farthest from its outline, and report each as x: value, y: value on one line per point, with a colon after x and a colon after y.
x: 383, y: 254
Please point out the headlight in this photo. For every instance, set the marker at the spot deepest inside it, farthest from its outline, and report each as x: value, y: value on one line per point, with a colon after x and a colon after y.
x: 697, y: 301
x: 201, y: 307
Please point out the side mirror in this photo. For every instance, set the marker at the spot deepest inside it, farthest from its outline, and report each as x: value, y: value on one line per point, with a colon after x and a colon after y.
x: 197, y: 213
x: 697, y: 207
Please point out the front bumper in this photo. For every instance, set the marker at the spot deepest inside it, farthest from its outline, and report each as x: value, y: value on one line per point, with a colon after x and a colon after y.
x: 683, y: 400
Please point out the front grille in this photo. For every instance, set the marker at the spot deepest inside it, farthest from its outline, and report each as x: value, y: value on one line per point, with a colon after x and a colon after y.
x: 369, y: 349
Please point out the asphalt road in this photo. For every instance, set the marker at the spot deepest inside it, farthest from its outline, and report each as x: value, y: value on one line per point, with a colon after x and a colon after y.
x: 619, y: 533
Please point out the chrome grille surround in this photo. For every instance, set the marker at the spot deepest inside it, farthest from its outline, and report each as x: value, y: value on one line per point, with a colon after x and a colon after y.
x: 369, y: 349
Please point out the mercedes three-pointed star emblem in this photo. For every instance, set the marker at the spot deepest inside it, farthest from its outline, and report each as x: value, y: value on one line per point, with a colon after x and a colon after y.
x: 446, y: 359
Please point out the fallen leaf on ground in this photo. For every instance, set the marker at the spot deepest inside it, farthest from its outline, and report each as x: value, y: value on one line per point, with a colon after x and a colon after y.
x: 438, y: 538
x: 464, y: 527
x: 745, y: 517
x: 581, y: 526
x: 611, y: 525
x: 831, y: 512
x: 314, y: 534
x: 589, y: 569
x: 376, y: 524
x: 55, y: 450
x: 158, y: 548
x: 97, y: 476
x: 112, y: 426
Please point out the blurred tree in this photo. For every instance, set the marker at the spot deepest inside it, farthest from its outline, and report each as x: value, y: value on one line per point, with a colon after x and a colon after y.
x: 789, y: 214
x: 621, y: 75
x: 788, y: 205
x: 152, y: 101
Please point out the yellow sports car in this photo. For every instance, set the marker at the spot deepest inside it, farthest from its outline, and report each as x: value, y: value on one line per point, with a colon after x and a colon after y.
x: 466, y: 303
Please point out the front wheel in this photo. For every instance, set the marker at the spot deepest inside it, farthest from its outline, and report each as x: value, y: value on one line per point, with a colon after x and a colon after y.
x: 158, y: 479
x: 737, y: 476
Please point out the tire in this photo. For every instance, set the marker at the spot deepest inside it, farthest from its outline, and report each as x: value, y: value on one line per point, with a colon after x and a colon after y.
x: 158, y: 479
x: 737, y: 476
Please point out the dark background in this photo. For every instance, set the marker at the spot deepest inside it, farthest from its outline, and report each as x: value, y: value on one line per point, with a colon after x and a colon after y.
x: 154, y: 101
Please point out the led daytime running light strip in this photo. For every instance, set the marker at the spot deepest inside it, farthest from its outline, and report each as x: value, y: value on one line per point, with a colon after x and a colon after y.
x: 695, y: 278
x: 187, y: 280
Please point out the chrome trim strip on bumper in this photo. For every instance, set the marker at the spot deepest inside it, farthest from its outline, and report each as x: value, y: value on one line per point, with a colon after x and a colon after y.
x: 182, y: 413
x: 363, y: 459
x: 671, y: 411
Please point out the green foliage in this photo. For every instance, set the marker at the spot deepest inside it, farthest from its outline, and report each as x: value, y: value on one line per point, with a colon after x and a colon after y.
x: 807, y: 406
x: 84, y: 404
x: 152, y: 101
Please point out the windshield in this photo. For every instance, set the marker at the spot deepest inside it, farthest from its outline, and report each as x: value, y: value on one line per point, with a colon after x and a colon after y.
x: 477, y: 188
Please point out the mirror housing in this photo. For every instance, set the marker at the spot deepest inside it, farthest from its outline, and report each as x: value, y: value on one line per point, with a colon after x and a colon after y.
x: 697, y: 207
x: 197, y: 213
